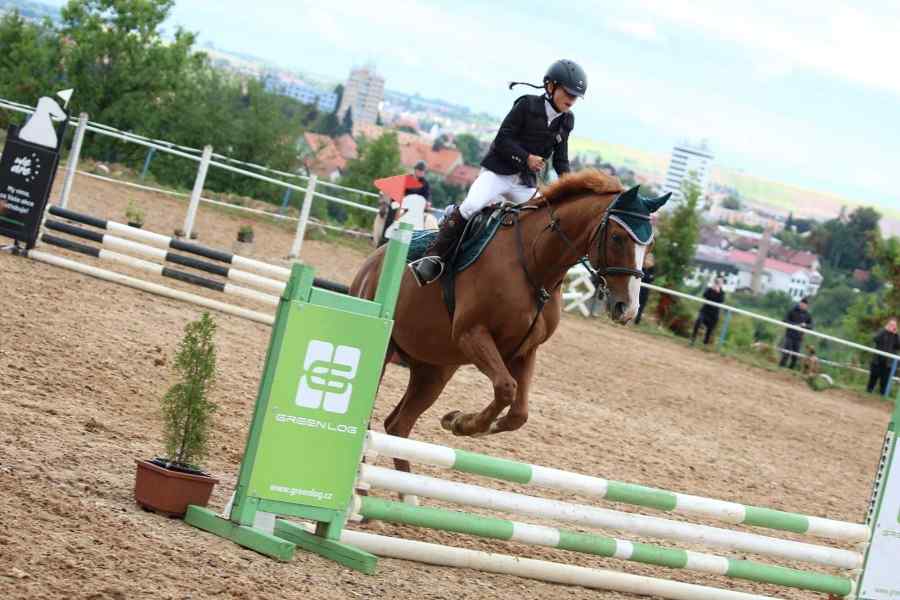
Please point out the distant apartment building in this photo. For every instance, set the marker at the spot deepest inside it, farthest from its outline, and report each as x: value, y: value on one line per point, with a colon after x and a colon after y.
x: 302, y: 92
x: 688, y: 159
x: 363, y: 94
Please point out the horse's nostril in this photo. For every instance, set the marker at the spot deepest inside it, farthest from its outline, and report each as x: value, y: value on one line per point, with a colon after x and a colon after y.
x: 619, y: 309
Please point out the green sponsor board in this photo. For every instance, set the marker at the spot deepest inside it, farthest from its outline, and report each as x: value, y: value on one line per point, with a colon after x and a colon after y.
x: 318, y: 407
x: 879, y: 580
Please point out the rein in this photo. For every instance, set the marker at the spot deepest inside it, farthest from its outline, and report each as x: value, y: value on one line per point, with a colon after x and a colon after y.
x: 598, y: 273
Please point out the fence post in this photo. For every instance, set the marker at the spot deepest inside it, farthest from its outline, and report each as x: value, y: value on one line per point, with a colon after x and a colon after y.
x: 724, y: 333
x: 304, y: 217
x: 147, y: 160
x: 890, y: 381
x: 197, y: 192
x: 72, y: 165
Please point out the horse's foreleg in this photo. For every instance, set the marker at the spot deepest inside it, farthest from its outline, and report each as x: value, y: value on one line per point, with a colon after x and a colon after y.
x: 479, y: 347
x: 426, y: 382
x: 522, y: 369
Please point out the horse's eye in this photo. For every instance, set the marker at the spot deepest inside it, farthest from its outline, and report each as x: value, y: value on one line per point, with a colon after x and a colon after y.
x: 616, y: 238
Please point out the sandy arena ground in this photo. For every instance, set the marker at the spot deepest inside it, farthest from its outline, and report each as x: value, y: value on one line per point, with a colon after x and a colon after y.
x: 83, y: 364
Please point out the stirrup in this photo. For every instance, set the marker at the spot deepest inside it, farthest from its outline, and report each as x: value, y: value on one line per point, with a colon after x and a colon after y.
x: 423, y: 280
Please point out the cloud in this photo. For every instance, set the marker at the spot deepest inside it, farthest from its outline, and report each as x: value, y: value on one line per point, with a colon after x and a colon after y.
x: 643, y: 31
x: 829, y: 37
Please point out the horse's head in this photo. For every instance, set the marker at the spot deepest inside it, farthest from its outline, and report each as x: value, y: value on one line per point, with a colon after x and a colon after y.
x: 50, y: 107
x: 624, y: 238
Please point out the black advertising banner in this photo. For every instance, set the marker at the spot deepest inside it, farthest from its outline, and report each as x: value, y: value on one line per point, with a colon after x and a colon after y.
x: 26, y: 176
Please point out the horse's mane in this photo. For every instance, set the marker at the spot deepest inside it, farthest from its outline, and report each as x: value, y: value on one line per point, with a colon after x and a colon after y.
x: 583, y: 182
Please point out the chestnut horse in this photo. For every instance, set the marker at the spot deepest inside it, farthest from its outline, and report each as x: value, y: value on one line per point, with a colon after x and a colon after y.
x: 497, y: 325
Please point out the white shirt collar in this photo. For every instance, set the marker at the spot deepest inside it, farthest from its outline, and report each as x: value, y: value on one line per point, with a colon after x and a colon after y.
x: 552, y: 114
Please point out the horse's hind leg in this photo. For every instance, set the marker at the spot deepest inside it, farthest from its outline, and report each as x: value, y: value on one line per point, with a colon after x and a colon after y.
x: 479, y: 347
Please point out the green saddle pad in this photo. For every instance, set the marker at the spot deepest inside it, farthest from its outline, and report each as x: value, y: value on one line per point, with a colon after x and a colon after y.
x: 473, y: 244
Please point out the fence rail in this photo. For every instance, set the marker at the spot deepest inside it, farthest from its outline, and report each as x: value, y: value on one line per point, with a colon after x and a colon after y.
x: 205, y: 157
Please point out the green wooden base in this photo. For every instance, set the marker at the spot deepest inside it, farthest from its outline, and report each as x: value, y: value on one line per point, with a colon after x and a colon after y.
x: 349, y: 556
x: 248, y: 537
x: 281, y: 545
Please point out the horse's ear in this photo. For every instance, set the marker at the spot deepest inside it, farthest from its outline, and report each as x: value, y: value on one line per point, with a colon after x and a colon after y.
x: 629, y: 197
x: 654, y: 204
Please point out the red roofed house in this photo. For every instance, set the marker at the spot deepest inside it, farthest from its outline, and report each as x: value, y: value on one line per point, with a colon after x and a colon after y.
x: 346, y: 146
x: 327, y: 157
x: 463, y: 176
x: 802, y: 258
x: 736, y: 266
x: 778, y: 275
x: 441, y: 162
x: 321, y: 156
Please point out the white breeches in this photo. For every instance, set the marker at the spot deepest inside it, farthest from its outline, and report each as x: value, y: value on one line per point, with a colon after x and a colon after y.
x: 490, y: 188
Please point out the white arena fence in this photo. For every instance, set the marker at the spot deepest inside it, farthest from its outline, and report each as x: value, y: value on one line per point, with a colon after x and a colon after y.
x: 309, y: 186
x: 578, y: 293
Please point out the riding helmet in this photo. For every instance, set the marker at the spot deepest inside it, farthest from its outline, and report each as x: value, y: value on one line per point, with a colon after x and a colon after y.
x: 568, y: 74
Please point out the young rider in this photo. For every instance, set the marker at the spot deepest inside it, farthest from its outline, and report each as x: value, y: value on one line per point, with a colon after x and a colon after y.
x: 535, y: 128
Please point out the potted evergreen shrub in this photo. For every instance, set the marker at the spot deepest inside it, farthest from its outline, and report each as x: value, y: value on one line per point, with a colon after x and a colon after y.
x: 168, y: 485
x: 245, y: 234
x: 134, y: 216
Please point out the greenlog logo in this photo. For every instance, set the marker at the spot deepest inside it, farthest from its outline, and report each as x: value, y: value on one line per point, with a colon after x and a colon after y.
x: 328, y: 373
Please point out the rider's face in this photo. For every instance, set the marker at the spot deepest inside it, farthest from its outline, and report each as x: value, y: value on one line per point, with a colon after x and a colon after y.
x: 563, y: 100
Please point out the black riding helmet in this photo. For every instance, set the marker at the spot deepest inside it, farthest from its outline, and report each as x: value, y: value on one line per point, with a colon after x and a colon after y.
x: 568, y: 74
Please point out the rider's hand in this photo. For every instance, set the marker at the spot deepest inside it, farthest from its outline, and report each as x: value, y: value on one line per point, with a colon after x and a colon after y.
x: 535, y: 163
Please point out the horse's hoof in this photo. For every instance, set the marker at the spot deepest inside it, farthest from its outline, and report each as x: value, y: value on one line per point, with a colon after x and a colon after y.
x: 448, y: 420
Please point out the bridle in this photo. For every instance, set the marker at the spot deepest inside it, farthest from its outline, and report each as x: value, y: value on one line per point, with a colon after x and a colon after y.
x: 598, y: 238
x: 599, y: 272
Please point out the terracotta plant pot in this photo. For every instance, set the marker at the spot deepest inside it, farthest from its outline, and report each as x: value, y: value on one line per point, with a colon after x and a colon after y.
x: 169, y: 492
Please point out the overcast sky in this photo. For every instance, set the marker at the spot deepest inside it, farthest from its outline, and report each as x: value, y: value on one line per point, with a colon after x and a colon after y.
x: 806, y: 92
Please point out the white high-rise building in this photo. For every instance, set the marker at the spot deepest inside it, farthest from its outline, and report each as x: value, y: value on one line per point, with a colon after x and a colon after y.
x: 363, y: 92
x: 688, y: 159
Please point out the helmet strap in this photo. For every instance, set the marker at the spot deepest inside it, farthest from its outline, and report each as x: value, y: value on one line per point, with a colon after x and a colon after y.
x: 548, y: 95
x: 513, y: 84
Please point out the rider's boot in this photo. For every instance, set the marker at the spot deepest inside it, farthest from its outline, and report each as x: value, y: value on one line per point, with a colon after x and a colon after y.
x: 431, y: 265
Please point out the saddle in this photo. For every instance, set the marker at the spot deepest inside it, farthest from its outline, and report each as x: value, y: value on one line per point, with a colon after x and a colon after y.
x: 476, y: 237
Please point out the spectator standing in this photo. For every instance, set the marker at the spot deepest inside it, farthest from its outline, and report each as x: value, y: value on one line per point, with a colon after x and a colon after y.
x: 886, y: 340
x: 423, y: 189
x: 709, y: 315
x: 649, y: 276
x: 793, y: 339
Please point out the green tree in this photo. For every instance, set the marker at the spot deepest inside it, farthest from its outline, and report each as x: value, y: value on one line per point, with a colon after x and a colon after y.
x: 679, y: 231
x: 469, y: 147
x: 871, y: 311
x: 115, y: 56
x: 30, y: 64
x: 327, y: 124
x: 732, y: 202
x: 848, y: 245
x: 377, y: 158
x: 346, y: 123
x: 443, y: 193
x: 830, y: 306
